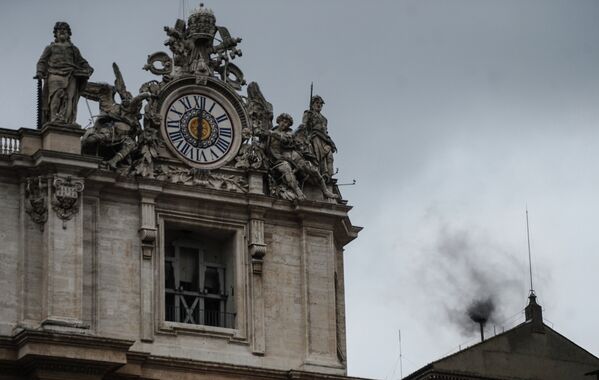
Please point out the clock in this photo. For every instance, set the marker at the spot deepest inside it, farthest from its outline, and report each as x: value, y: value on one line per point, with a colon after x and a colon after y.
x: 201, y: 127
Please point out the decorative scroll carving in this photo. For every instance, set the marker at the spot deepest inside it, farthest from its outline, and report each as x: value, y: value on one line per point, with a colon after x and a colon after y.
x: 66, y: 197
x: 163, y: 59
x: 192, y: 176
x: 147, y: 231
x: 65, y: 73
x: 257, y: 245
x: 36, y: 200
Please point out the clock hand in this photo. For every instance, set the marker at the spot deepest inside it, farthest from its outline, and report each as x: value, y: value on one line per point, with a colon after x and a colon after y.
x: 200, y: 126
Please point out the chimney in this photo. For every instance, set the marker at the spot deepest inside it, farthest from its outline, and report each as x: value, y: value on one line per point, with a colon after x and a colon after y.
x: 534, y: 314
x: 482, y: 331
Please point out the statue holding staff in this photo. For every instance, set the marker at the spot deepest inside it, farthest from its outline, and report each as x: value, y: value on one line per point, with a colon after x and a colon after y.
x: 65, y: 73
x: 314, y: 134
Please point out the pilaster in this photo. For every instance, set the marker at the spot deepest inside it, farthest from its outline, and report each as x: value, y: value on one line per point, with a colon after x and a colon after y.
x: 63, y: 254
x: 147, y: 235
x: 257, y: 249
x: 319, y: 295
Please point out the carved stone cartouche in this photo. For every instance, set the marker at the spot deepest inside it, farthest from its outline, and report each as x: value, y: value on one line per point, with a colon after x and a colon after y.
x: 66, y: 197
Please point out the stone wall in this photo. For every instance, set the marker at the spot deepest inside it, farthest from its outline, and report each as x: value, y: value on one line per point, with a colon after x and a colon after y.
x: 97, y: 278
x: 10, y: 231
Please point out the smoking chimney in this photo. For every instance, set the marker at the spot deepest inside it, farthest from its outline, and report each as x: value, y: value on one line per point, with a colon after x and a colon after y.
x: 479, y: 312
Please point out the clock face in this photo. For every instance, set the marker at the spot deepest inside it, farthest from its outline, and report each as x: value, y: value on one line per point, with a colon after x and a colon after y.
x: 201, y: 128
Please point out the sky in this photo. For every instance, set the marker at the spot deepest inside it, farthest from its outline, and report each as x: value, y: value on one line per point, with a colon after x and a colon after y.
x: 452, y: 116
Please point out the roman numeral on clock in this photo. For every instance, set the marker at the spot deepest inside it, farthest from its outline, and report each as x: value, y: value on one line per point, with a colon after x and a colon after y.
x: 214, y: 155
x: 200, y: 101
x: 185, y: 149
x: 225, y: 132
x: 222, y: 145
x: 222, y: 118
x: 173, y: 110
x: 186, y: 103
x: 175, y: 136
x: 202, y: 157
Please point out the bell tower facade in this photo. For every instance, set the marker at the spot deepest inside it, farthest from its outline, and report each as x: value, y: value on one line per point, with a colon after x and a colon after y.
x: 187, y: 234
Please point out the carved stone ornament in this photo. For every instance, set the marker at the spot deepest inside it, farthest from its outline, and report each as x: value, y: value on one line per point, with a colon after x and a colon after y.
x: 196, y: 112
x: 36, y: 200
x: 66, y: 197
x: 252, y: 154
x: 115, y: 132
x: 195, y: 52
x: 203, y: 178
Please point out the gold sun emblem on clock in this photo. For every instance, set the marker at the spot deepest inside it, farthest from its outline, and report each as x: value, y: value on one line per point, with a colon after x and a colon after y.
x: 205, y: 129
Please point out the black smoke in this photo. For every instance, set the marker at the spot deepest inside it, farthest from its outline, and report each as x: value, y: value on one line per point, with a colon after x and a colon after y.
x: 480, y: 311
x: 472, y: 278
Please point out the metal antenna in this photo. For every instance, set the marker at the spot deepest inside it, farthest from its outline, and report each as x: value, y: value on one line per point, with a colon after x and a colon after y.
x: 400, y: 358
x: 182, y: 9
x: 311, y: 93
x: 532, y: 291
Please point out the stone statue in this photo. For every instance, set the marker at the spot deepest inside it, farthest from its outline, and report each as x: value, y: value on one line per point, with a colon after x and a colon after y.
x: 65, y: 74
x: 314, y: 134
x: 118, y: 124
x: 287, y: 162
x: 260, y: 112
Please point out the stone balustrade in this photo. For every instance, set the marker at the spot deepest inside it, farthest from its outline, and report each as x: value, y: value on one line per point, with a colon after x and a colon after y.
x: 10, y: 142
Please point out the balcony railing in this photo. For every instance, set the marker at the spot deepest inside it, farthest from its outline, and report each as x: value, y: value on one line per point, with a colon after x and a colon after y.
x: 197, y: 316
x: 9, y: 142
x: 197, y: 308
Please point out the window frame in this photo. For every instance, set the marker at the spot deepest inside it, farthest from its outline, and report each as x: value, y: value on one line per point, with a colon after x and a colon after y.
x: 240, y: 273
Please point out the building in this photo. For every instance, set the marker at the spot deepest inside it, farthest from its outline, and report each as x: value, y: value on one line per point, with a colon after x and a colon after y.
x: 529, y: 351
x: 197, y: 242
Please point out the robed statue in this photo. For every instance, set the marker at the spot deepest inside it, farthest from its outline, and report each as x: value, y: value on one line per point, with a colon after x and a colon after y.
x: 314, y: 134
x: 65, y: 73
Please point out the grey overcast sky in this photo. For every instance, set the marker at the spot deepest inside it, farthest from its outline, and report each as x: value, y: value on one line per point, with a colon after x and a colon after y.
x: 451, y: 116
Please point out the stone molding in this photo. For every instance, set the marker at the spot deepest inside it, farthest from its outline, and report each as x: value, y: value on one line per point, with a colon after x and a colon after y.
x: 144, y: 366
x: 42, y: 354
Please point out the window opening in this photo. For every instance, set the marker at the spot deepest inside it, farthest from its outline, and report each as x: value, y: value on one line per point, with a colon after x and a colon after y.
x: 196, y: 283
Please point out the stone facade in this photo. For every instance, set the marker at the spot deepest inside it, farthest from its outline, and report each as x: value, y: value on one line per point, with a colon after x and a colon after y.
x: 84, y: 296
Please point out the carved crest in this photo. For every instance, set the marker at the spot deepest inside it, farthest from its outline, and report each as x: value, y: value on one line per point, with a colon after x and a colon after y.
x: 36, y: 200
x: 194, y: 51
x: 66, y: 197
